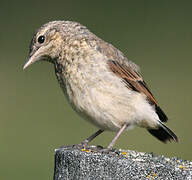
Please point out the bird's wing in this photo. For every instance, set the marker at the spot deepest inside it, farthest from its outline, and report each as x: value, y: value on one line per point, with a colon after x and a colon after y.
x: 128, y: 72
x: 125, y: 69
x: 132, y: 79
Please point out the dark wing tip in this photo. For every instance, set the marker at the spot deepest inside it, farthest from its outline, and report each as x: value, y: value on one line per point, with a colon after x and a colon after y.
x: 161, y: 114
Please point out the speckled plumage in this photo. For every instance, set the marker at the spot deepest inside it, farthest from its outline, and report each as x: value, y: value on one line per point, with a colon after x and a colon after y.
x: 100, y: 83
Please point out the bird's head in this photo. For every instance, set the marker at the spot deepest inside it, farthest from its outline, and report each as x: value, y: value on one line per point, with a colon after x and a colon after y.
x: 48, y: 41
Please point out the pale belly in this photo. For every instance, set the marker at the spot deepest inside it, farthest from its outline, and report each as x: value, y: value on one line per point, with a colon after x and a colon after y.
x: 108, y: 104
x: 110, y: 110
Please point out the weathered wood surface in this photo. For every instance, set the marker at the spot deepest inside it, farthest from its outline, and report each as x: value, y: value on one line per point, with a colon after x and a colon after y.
x: 74, y: 163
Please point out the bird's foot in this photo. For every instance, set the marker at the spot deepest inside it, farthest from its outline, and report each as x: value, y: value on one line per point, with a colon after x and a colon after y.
x: 81, y: 145
x: 110, y: 151
x: 107, y: 150
x: 84, y: 145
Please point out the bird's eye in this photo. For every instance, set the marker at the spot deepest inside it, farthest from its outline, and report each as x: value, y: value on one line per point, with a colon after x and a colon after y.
x: 41, y: 39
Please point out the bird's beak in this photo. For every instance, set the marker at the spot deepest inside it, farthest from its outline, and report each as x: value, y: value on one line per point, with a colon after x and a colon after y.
x: 28, y: 63
x: 32, y: 58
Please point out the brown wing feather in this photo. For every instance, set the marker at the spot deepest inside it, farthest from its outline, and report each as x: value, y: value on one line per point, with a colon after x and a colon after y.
x: 132, y: 79
x: 126, y: 70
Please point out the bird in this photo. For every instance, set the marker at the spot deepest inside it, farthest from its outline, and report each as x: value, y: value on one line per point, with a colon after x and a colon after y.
x: 101, y: 84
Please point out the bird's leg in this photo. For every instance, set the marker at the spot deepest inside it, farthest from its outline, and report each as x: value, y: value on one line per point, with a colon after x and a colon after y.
x: 90, y: 138
x: 116, y: 137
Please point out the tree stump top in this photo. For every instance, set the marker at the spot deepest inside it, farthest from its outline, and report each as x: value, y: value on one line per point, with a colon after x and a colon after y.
x: 74, y: 163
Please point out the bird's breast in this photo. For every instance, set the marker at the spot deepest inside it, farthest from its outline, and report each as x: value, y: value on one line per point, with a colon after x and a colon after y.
x: 96, y: 94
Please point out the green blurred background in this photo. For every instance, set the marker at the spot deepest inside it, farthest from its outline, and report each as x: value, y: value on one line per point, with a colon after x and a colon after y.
x: 35, y: 117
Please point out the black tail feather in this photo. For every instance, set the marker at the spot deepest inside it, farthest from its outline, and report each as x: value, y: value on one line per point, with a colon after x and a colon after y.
x: 163, y: 133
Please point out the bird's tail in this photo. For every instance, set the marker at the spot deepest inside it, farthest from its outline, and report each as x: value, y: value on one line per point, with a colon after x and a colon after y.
x: 163, y: 133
